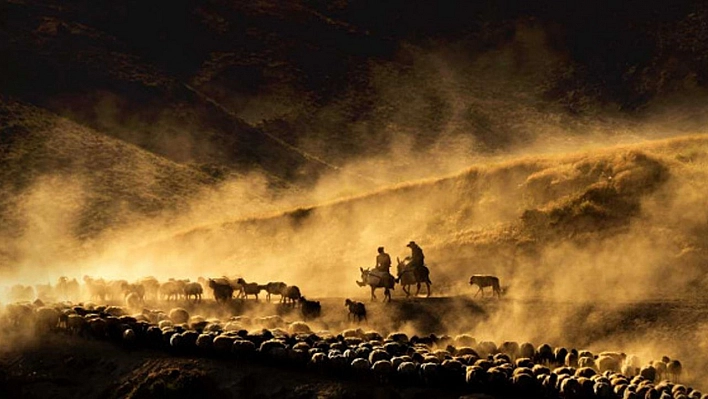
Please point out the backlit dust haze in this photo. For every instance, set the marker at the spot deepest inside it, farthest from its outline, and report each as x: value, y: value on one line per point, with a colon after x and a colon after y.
x: 599, y: 212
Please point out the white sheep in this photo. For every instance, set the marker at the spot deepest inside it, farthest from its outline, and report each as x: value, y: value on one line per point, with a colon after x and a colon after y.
x: 179, y: 315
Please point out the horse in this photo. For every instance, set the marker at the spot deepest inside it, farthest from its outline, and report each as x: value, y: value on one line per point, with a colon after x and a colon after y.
x: 482, y: 280
x: 375, y: 280
x: 409, y: 276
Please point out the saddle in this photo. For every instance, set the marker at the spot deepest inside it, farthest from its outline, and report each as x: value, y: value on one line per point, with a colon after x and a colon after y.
x: 386, y: 279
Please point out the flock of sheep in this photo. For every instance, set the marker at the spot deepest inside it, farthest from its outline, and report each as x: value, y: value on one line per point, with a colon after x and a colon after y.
x: 149, y: 288
x: 461, y: 363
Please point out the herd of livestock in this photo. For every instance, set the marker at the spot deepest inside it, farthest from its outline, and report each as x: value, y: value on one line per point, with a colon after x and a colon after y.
x: 462, y: 363
x: 149, y: 288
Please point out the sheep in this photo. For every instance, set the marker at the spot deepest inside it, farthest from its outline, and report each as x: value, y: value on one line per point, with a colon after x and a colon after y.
x: 275, y: 288
x: 378, y: 354
x: 360, y: 365
x: 47, y: 319
x: 631, y: 366
x: 485, y: 348
x: 544, y: 354
x: 674, y: 370
x: 163, y: 324
x: 96, y: 288
x: 527, y: 350
x: 372, y: 336
x: 570, y: 388
x: 272, y: 348
x: 586, y: 361
x: 98, y: 327
x: 67, y: 289
x: 114, y: 288
x: 136, y: 289
x: 586, y: 372
x: 270, y: 322
x: 524, y: 382
x: 129, y: 336
x: 309, y: 309
x: 475, y: 376
x: 429, y: 372
x: 465, y: 340
x: 21, y: 293
x: 222, y: 291
x: 357, y: 310
x: 609, y: 361
x: 19, y: 314
x: 75, y: 324
x: 511, y: 348
x: 179, y: 316
x: 193, y: 290
x: 318, y: 361
x: 133, y: 301
x: 204, y: 341
x: 242, y: 348
x: 116, y: 311
x: 197, y: 322
x: 292, y: 294
x: 249, y: 288
x: 571, y: 359
x: 648, y: 373
x: 169, y: 290
x: 382, y: 369
x: 151, y: 286
x: 44, y: 292
x: 299, y: 327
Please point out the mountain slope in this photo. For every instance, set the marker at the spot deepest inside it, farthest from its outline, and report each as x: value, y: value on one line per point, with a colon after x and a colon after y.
x: 639, y: 210
x: 57, y: 174
x: 72, y: 62
x: 346, y: 79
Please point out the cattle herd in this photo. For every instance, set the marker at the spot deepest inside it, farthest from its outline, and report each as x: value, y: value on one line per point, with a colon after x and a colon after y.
x: 117, y: 311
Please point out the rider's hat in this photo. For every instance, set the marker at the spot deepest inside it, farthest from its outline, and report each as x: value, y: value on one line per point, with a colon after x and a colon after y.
x: 410, y: 244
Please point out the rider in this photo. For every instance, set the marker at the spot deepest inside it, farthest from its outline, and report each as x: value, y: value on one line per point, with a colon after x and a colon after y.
x: 383, y: 265
x: 383, y: 261
x: 417, y: 257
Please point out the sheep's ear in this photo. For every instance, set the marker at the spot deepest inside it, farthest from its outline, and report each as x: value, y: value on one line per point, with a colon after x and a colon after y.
x: 362, y: 269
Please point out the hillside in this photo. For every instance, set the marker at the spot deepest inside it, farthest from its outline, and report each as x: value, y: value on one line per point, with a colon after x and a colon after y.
x: 298, y: 88
x: 631, y: 214
x: 63, y: 183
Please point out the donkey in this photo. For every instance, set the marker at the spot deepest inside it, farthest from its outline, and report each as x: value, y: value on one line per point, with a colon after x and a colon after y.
x: 376, y: 280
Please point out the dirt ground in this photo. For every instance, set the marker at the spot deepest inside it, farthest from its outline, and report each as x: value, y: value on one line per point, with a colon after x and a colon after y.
x: 59, y: 366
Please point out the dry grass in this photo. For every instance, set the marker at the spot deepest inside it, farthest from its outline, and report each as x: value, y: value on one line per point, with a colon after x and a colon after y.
x: 61, y: 172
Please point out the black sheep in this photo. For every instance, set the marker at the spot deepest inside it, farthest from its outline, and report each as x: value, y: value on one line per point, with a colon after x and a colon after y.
x: 356, y: 309
x: 310, y: 309
x: 222, y: 292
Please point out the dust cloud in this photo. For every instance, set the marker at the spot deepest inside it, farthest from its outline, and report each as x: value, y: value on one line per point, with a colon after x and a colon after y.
x: 577, y: 234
